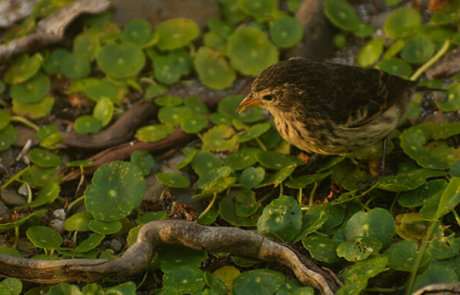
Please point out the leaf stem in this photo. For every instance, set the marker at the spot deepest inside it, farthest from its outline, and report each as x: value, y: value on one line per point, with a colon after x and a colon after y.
x: 431, y: 61
x: 418, y: 259
x: 26, y: 122
x: 214, y: 197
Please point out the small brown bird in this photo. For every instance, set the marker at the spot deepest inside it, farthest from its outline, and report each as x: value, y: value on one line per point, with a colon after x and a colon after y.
x: 327, y: 108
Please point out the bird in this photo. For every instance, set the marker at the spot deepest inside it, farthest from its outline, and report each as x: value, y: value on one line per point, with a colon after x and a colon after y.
x: 330, y: 108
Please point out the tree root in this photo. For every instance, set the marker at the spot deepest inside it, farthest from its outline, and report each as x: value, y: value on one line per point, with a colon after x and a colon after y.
x: 153, y: 234
x: 117, y: 133
x: 123, y: 151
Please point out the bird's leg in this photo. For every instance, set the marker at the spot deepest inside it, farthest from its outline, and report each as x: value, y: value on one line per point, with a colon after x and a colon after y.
x: 382, y: 160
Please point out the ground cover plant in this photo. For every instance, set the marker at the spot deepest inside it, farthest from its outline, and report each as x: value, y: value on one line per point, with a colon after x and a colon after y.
x: 119, y: 141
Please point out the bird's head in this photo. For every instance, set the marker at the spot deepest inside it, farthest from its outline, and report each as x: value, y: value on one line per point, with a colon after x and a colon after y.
x: 274, y: 89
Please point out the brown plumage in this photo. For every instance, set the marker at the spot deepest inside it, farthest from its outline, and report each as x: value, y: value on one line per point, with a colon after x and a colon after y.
x: 327, y: 108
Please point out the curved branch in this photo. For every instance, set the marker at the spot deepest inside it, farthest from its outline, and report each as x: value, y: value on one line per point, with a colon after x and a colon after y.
x: 155, y: 233
x: 117, y: 133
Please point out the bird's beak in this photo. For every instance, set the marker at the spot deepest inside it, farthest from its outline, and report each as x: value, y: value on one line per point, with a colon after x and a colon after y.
x: 248, y: 102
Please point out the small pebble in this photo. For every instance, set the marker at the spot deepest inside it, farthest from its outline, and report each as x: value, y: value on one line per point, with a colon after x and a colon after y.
x: 11, y: 197
x: 57, y: 225
x: 59, y: 214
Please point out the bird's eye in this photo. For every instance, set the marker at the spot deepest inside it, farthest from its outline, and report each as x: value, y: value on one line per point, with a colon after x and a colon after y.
x: 268, y: 97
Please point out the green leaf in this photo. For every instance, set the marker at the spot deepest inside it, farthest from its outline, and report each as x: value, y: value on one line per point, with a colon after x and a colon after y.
x: 404, y: 181
x: 5, y: 119
x: 74, y: 66
x: 220, y: 138
x: 258, y: 8
x: 176, y: 33
x: 32, y: 90
x: 117, y: 188
x: 105, y: 227
x: 246, y: 203
x: 417, y: 49
x: 78, y: 222
x: 90, y: 243
x: 402, y: 255
x: 229, y: 212
x: 194, y: 124
x: 437, y: 154
x: 452, y: 102
x: 220, y: 27
x: 174, y: 180
x: 197, y: 106
x: 402, y: 23
x: 286, y: 31
x: 364, y: 270
x: 174, y: 115
x: 258, y: 281
x: 450, y: 198
x: 203, y: 162
x: 48, y: 194
x: 395, y: 66
x: 12, y: 286
x: 358, y: 249
x: 169, y: 101
x: 435, y: 274
x: 213, y: 69
x: 415, y: 198
x: 252, y: 176
x: 342, y: 14
x: 34, y: 110
x: 87, y: 124
x: 242, y: 159
x: 274, y: 160
x: 43, y: 158
x: 377, y: 223
x: 121, y: 60
x: 370, y: 53
x: 153, y: 133
x: 44, y: 237
x: 321, y: 248
x: 137, y: 31
x: 23, y: 68
x: 281, y: 219
x: 255, y: 131
x: 250, y: 51
x: 143, y: 160
x: 103, y: 110
x: 7, y: 137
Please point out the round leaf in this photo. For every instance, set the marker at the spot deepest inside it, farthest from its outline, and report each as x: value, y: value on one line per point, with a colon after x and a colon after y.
x: 377, y: 223
x: 117, y: 188
x: 121, y: 60
x: 174, y: 180
x: 44, y: 237
x: 251, y: 177
x: 105, y: 227
x: 74, y: 66
x: 250, y: 51
x: 213, y: 69
x: 87, y: 124
x: 342, y: 14
x: 33, y: 90
x: 43, y: 158
x: 176, y: 33
x: 417, y: 49
x: 152, y: 133
x: 403, y: 22
x: 281, y: 219
x: 137, y: 31
x: 194, y: 124
x: 286, y: 31
x: 395, y: 66
x: 23, y: 68
x: 371, y: 52
x: 258, y: 8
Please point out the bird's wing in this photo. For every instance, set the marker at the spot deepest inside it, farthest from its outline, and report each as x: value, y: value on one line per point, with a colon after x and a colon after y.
x: 356, y: 95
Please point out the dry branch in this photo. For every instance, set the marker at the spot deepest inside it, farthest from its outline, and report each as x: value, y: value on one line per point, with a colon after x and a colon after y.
x: 153, y: 234
x: 51, y: 29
